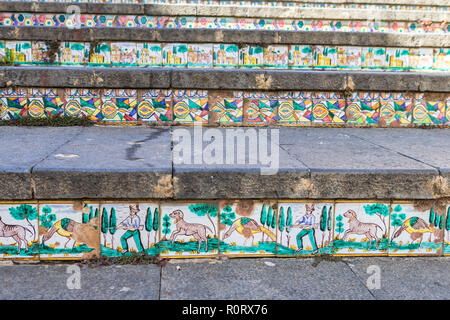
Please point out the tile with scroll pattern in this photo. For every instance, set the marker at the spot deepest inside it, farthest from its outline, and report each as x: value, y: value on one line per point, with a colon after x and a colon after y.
x: 83, y: 103
x: 226, y: 55
x: 363, y: 109
x: 276, y: 57
x: 301, y: 57
x: 373, y: 58
x: 442, y: 59
x: 190, y: 106
x: 149, y: 54
x: 13, y: 103
x: 251, y: 57
x: 19, y: 229
x: 304, y: 228
x: 175, y: 55
x: 68, y: 230
x: 100, y: 55
x: 421, y: 59
x: 189, y: 229
x: 328, y: 109
x: 226, y: 108
x: 155, y: 106
x: 261, y: 111
x: 349, y: 57
x: 397, y: 58
x: 129, y: 228
x: 200, y: 55
x: 73, y: 53
x: 416, y: 229
x: 325, y: 57
x: 19, y: 52
x: 395, y: 109
x: 124, y: 54
x: 247, y: 228
x: 295, y: 109
x: 428, y: 112
x: 361, y: 228
x: 119, y: 106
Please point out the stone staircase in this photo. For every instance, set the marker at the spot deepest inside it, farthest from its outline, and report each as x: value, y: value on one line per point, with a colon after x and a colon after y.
x: 253, y: 67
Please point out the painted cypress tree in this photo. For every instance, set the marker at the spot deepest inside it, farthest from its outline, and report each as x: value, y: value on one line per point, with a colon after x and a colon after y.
x: 288, y: 225
x: 148, y: 225
x: 323, y: 222
x: 105, y: 225
x: 432, y: 216
x: 112, y: 225
x: 263, y: 219
x: 330, y: 224
x: 86, y: 216
x: 281, y: 224
x: 269, y: 218
x: 274, y: 220
x: 447, y: 221
x: 156, y: 222
x: 91, y: 214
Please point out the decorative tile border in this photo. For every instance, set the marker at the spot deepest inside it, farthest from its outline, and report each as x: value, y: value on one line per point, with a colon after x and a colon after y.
x: 237, y: 108
x: 242, y: 228
x: 132, y: 54
x: 234, y: 23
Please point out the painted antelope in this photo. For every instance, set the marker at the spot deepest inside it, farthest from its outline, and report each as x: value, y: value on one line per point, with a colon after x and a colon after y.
x: 17, y: 232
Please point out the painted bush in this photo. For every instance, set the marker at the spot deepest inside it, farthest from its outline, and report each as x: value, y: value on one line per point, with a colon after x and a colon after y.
x: 304, y: 228
x: 415, y: 230
x: 361, y: 228
x: 247, y: 228
x: 189, y: 229
x: 68, y: 231
x: 18, y: 231
x: 128, y: 228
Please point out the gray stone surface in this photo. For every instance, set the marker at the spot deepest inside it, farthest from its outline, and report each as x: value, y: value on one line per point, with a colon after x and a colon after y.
x: 288, y: 279
x: 49, y: 282
x: 108, y: 162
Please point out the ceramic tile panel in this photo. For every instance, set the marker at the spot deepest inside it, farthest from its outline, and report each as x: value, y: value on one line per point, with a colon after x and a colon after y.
x: 363, y: 109
x: 260, y: 110
x: 295, y: 108
x: 149, y: 54
x: 447, y: 112
x: 83, y: 103
x: 395, y: 109
x: 119, y: 105
x: 124, y: 54
x: 18, y: 52
x: 175, y: 55
x: 428, y: 112
x: 421, y: 59
x: 190, y: 106
x: 251, y: 57
x: 328, y: 109
x: 397, y: 58
x: 227, y: 108
x: 200, y: 55
x: 100, y: 55
x: 13, y: 103
x: 129, y: 228
x: 247, y: 228
x: 301, y: 57
x: 305, y: 25
x: 74, y: 53
x: 304, y: 228
x: 325, y: 57
x: 40, y: 53
x: 349, y: 57
x: 361, y: 228
x: 155, y: 106
x: 189, y: 229
x: 44, y: 103
x: 19, y: 230
x: 442, y: 59
x: 276, y: 57
x: 416, y: 230
x: 226, y: 55
x: 373, y: 58
x: 446, y: 227
x: 68, y: 230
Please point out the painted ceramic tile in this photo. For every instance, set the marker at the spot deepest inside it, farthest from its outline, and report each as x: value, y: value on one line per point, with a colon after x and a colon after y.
x: 155, y: 106
x: 261, y: 111
x: 149, y: 54
x: 442, y: 59
x: 128, y: 21
x: 19, y: 52
x: 246, y: 24
x: 101, y: 55
x: 208, y: 23
x: 200, y: 55
x: 395, y: 109
x: 190, y: 106
x: 83, y: 103
x: 276, y: 57
x: 247, y: 228
x: 446, y: 246
x: 251, y: 57
x: 373, y: 58
x: 363, y: 109
x: 105, y: 21
x: 119, y: 105
x: 304, y: 228
x: 13, y: 103
x: 328, y: 109
x: 428, y: 112
x: 305, y: 25
x: 148, y: 21
x: 123, y: 54
x: 227, y: 109
x: 40, y: 53
x: 19, y: 230
x: 295, y: 111
x: 325, y: 57
x: 68, y: 230
x: 2, y: 52
x: 24, y: 19
x: 286, y: 25
x: 226, y: 23
x: 447, y: 112
x: 378, y: 26
x: 400, y: 27
x: 301, y: 57
x: 189, y: 229
x: 349, y: 57
x: 175, y: 55
x: 361, y: 228
x: 226, y: 55
x: 415, y: 231
x: 129, y: 228
x: 421, y: 59
x: 44, y: 103
x: 265, y: 24
x: 397, y: 58
x: 74, y: 53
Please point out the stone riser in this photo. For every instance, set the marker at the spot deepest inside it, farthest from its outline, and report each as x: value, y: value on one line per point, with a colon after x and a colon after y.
x: 85, y: 228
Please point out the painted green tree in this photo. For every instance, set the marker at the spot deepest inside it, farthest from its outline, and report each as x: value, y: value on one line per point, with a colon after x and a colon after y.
x: 381, y: 211
x: 105, y: 225
x: 156, y: 222
x: 149, y: 224
x: 273, y: 224
x: 47, y: 218
x: 263, y: 219
x: 288, y: 225
x: 339, y: 225
x: 397, y: 218
x: 447, y: 222
x: 281, y: 224
x: 227, y: 216
x: 323, y: 222
x: 25, y: 212
x: 330, y: 224
x: 112, y: 225
x: 166, y: 226
x: 202, y: 209
x: 86, y: 216
x: 269, y: 218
